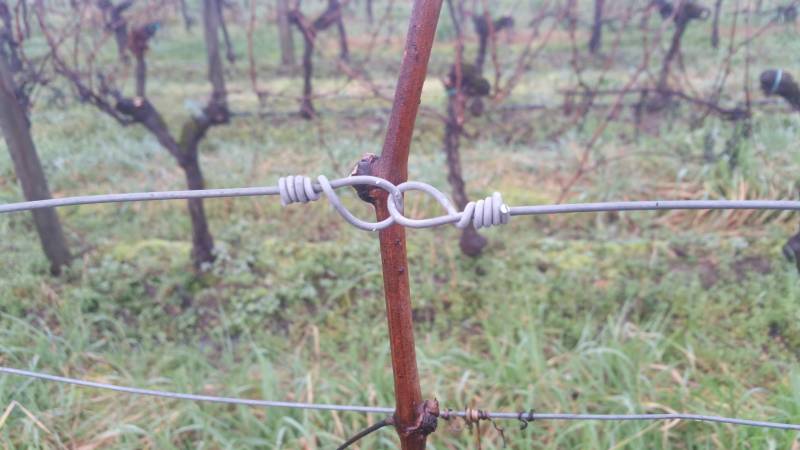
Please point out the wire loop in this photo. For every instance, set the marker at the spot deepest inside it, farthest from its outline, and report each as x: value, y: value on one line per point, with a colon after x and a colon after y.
x: 359, y: 180
x: 396, y: 212
x: 482, y: 214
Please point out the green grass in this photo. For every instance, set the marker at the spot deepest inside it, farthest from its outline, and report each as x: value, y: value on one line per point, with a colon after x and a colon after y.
x: 627, y: 313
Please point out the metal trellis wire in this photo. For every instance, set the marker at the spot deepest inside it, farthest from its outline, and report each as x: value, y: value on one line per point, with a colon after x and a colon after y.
x: 470, y: 414
x: 488, y: 212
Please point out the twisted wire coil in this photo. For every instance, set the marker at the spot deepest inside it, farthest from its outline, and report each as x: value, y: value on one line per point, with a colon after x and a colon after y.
x: 294, y: 189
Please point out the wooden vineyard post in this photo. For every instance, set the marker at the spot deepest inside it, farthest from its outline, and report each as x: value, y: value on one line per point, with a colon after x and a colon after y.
x: 413, y: 419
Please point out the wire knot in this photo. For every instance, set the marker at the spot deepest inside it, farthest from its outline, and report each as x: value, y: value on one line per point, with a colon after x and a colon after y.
x: 296, y: 189
x: 474, y: 416
x: 481, y: 214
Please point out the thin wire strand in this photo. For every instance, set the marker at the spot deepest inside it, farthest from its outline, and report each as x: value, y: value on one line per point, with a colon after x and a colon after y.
x: 613, y: 417
x: 137, y: 197
x: 527, y: 417
x: 656, y: 205
x: 195, y: 397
